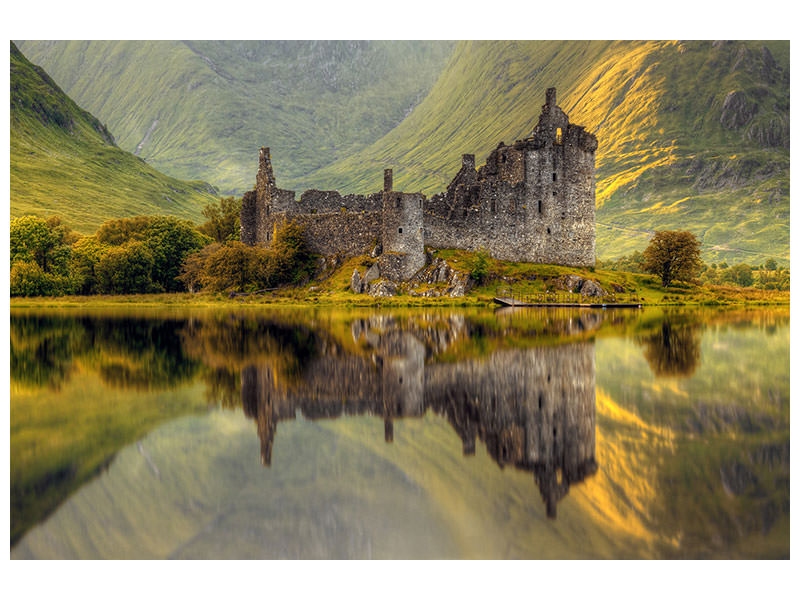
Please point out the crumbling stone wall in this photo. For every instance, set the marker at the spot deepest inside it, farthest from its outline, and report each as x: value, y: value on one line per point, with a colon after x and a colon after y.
x: 342, y: 233
x: 533, y: 201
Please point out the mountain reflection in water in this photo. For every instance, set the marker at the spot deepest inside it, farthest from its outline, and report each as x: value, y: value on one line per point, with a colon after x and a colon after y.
x: 534, y: 408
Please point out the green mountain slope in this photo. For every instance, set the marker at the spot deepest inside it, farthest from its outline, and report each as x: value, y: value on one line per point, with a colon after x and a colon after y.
x: 64, y: 162
x: 692, y: 135
x: 202, y: 109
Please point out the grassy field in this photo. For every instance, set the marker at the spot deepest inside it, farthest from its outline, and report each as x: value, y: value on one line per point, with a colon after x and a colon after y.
x: 523, y: 278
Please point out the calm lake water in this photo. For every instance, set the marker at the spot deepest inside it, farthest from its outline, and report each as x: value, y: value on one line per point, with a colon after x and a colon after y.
x: 548, y: 433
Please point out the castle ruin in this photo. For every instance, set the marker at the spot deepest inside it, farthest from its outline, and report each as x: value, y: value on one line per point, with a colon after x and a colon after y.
x: 533, y: 201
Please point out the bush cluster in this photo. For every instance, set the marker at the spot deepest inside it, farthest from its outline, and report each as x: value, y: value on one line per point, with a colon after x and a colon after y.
x: 234, y: 266
x: 126, y: 256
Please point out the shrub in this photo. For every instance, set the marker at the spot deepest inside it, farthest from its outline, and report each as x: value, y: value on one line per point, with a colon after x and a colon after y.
x: 479, y: 266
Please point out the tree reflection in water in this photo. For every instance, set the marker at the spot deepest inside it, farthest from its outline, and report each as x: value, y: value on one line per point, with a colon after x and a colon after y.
x: 673, y: 350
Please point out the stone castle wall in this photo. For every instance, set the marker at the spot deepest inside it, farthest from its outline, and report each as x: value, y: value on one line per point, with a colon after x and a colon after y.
x: 339, y: 233
x: 533, y: 201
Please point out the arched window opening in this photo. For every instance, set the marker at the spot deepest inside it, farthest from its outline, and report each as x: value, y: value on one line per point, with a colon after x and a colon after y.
x: 558, y: 135
x: 540, y: 207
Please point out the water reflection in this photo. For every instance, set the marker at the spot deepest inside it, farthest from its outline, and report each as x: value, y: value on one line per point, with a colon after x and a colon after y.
x: 533, y: 408
x: 673, y: 349
x: 672, y: 450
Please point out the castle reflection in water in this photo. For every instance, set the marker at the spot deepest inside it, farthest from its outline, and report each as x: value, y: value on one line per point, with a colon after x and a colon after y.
x: 533, y: 408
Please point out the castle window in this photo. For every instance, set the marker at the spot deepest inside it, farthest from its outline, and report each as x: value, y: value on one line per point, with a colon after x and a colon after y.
x: 502, y: 158
x: 558, y: 135
x: 400, y: 230
x: 554, y: 177
x: 563, y: 215
x: 554, y: 192
x: 398, y: 202
x: 494, y: 205
x: 540, y: 207
x: 548, y: 230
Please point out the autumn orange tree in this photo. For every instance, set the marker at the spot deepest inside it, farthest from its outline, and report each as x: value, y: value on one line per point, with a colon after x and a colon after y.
x: 673, y: 255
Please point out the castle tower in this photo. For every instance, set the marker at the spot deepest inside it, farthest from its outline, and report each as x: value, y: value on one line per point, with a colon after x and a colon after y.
x: 560, y: 188
x: 401, y: 233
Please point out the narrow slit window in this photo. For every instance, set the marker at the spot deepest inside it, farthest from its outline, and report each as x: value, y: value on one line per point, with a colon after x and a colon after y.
x: 494, y: 206
x: 540, y: 207
x: 555, y: 178
x: 398, y: 202
x: 558, y: 135
x: 400, y: 230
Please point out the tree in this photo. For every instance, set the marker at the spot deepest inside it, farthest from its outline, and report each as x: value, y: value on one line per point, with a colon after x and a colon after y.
x: 170, y: 241
x: 770, y: 265
x: 741, y: 275
x: 223, y: 220
x: 45, y: 242
x: 126, y: 270
x: 673, y: 255
x: 116, y: 232
x: 87, y: 253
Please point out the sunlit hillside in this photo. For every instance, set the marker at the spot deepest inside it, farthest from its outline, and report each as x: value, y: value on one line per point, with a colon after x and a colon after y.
x: 65, y: 162
x: 692, y: 135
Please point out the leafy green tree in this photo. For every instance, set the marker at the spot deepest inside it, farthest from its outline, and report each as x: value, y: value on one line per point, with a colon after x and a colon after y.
x: 87, y: 253
x: 237, y: 266
x: 170, y: 241
x: 116, y: 232
x: 45, y: 242
x: 673, y: 255
x: 291, y: 258
x: 28, y: 279
x: 126, y: 270
x: 741, y: 275
x: 770, y: 265
x: 222, y: 223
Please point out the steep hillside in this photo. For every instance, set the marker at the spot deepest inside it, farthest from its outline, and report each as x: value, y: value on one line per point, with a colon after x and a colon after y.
x: 202, y: 109
x: 692, y: 134
x: 64, y: 162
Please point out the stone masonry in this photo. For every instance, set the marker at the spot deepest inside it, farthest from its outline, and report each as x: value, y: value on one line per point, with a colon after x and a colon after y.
x: 533, y: 201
